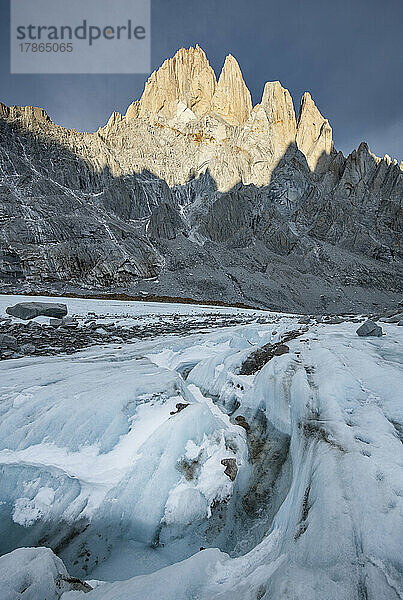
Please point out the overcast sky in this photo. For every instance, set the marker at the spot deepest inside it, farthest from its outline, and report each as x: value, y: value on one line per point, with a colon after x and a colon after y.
x: 347, y: 53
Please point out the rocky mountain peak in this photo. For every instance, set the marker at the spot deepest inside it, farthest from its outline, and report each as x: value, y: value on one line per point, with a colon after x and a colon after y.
x: 187, y: 82
x: 314, y: 134
x: 278, y: 106
x: 232, y: 99
x: 28, y: 115
x: 133, y: 110
x: 187, y: 77
x: 187, y: 123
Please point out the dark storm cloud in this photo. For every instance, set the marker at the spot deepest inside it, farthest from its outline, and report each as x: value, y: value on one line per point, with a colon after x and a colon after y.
x: 348, y: 54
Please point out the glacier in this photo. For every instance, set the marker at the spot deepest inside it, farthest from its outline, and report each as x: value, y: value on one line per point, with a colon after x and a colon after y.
x: 112, y: 469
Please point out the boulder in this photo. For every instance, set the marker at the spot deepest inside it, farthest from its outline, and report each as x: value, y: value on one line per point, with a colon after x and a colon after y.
x: 179, y: 407
x: 8, y: 342
x: 335, y: 320
x: 231, y: 468
x: 30, y: 310
x: 64, y: 322
x: 369, y: 328
x: 56, y: 322
x: 281, y: 349
x: 242, y: 422
x: 69, y: 322
x: 400, y: 324
x: 28, y: 348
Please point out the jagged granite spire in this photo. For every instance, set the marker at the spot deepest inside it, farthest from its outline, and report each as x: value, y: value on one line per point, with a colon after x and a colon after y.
x: 232, y: 99
x: 314, y: 134
x: 187, y: 78
x: 278, y: 106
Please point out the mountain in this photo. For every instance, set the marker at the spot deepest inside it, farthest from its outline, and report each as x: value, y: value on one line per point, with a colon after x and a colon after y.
x: 196, y: 193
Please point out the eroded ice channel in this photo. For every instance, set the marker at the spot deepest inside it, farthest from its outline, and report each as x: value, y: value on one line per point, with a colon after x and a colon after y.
x: 99, y: 463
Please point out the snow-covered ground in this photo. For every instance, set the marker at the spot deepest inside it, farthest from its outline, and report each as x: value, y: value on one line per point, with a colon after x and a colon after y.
x: 126, y: 312
x: 81, y: 306
x: 113, y: 458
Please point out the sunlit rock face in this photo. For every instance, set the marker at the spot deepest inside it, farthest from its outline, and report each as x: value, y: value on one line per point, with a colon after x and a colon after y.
x: 232, y: 99
x: 196, y: 192
x: 187, y: 78
x: 314, y: 134
x: 187, y: 122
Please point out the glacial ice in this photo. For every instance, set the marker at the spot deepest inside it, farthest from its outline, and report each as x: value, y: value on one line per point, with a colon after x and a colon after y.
x: 32, y: 573
x: 98, y: 463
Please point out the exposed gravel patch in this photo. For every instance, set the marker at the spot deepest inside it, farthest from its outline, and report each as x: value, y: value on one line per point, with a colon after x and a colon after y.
x: 38, y: 339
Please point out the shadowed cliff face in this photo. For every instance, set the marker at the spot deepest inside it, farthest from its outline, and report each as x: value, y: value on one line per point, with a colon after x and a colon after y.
x: 195, y: 193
